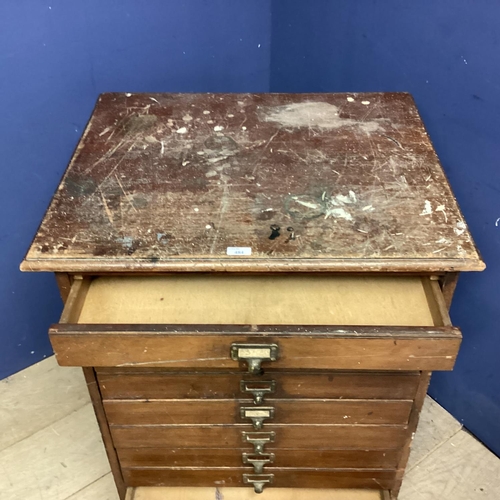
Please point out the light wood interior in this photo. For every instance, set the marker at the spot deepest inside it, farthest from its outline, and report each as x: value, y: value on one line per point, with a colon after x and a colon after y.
x: 160, y: 493
x: 261, y: 299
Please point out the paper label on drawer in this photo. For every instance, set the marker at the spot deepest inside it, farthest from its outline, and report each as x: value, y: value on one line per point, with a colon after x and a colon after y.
x: 239, y: 251
x: 257, y: 413
x: 254, y: 353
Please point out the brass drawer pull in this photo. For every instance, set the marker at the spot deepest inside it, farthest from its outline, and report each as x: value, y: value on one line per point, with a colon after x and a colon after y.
x: 258, y: 461
x: 258, y: 439
x: 257, y: 415
x: 258, y: 389
x: 258, y: 481
x: 254, y: 355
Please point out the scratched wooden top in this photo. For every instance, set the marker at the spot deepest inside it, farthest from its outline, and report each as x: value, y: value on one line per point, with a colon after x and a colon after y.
x: 167, y: 182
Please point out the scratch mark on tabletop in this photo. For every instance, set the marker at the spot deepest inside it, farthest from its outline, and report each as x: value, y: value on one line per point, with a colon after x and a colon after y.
x: 127, y: 196
x: 106, y: 207
x: 442, y: 208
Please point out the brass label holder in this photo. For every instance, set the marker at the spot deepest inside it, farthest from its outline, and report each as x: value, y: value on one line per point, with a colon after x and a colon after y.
x: 258, y: 389
x: 254, y: 355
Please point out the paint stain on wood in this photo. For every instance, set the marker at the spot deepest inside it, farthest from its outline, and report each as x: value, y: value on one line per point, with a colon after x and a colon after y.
x: 166, y: 178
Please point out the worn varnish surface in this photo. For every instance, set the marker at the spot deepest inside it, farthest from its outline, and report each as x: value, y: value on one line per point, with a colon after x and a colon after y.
x: 170, y: 181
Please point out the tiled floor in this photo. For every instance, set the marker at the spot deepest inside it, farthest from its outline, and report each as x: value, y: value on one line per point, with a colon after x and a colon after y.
x: 50, y: 447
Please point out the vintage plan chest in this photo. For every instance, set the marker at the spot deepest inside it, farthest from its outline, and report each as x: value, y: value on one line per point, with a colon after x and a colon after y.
x: 256, y: 285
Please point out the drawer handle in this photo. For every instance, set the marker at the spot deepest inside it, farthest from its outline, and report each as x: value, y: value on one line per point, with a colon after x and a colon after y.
x: 258, y: 461
x: 257, y: 415
x: 258, y: 389
x: 254, y: 355
x: 258, y: 439
x: 258, y: 481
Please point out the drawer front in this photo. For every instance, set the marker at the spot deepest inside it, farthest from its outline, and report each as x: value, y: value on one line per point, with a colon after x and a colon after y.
x: 299, y: 411
x: 297, y: 340
x: 365, y: 437
x: 136, y: 384
x: 201, y: 346
x: 282, y: 458
x: 288, y: 478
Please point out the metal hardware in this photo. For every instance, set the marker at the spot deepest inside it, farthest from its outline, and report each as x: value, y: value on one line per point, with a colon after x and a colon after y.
x: 257, y: 415
x: 258, y: 439
x: 254, y: 355
x: 258, y: 481
x: 258, y: 461
x: 258, y: 389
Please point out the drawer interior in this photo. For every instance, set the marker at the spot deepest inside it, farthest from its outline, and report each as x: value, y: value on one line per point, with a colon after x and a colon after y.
x: 263, y: 300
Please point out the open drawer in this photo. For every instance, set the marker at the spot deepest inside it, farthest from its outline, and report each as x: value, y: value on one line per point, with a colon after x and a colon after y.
x: 255, y: 322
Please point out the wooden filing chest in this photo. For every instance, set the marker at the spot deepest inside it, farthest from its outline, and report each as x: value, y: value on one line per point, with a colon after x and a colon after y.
x: 256, y: 285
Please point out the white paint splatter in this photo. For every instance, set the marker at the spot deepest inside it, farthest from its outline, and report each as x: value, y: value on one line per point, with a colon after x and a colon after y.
x: 196, y: 209
x: 206, y: 112
x: 340, y: 199
x: 307, y: 204
x: 314, y: 115
x: 365, y: 102
x: 350, y: 99
x: 243, y: 128
x: 427, y: 208
x: 181, y: 130
x: 460, y: 228
x: 218, y: 128
x: 441, y: 208
x: 162, y: 148
x: 155, y: 100
x: 339, y: 213
x: 230, y: 116
x: 497, y: 222
x: 187, y: 118
x: 128, y: 94
x: 368, y: 208
x: 208, y: 226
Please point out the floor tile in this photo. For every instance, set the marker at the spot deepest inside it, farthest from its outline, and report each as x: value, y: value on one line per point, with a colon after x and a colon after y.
x: 435, y: 427
x: 38, y: 396
x: 56, y: 462
x: 460, y: 469
x: 102, y: 489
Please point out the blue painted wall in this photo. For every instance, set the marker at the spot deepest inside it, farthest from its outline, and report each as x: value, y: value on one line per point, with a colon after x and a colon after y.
x: 447, y: 54
x: 55, y: 58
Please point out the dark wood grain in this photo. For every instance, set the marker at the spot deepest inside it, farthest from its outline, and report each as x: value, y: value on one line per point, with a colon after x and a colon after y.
x: 114, y: 463
x: 292, y: 411
x: 134, y: 383
x: 412, y: 428
x: 365, y: 437
x: 232, y: 457
x: 289, y: 478
x: 207, y: 346
x: 169, y: 181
